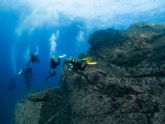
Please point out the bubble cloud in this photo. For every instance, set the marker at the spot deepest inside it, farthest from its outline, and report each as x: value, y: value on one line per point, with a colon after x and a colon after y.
x: 95, y: 14
x: 53, y: 43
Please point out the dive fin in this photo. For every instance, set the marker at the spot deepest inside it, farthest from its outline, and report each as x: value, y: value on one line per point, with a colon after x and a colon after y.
x: 62, y: 56
x: 91, y: 63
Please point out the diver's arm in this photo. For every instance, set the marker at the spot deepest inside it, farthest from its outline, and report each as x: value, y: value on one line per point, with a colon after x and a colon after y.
x: 50, y: 74
x: 83, y: 67
x: 58, y: 61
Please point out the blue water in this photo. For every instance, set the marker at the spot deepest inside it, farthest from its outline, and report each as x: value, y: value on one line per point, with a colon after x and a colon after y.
x: 39, y: 37
x: 26, y: 26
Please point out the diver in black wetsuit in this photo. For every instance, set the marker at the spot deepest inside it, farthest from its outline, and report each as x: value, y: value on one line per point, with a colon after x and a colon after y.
x: 33, y: 58
x: 76, y: 64
x: 53, y: 66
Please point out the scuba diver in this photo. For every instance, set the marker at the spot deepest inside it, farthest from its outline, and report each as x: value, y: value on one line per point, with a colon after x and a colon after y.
x: 33, y: 58
x: 79, y: 64
x: 53, y: 66
x: 27, y: 75
x: 12, y: 84
x: 76, y: 64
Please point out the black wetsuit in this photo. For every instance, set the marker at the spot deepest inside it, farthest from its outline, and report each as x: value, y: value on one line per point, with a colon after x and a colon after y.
x: 53, y: 66
x: 77, y: 65
x: 34, y: 58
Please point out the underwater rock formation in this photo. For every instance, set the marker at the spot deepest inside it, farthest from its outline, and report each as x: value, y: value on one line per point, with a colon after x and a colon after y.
x: 126, y: 87
x: 46, y: 107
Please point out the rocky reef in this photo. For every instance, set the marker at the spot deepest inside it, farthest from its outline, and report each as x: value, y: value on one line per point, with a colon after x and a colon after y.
x: 127, y: 86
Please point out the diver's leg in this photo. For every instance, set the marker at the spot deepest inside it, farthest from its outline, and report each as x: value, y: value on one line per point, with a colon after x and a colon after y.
x: 58, y: 61
x: 51, y: 74
x: 85, y: 65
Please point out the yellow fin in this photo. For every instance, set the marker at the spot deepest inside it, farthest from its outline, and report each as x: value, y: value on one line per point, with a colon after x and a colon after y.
x: 91, y: 63
x: 89, y: 59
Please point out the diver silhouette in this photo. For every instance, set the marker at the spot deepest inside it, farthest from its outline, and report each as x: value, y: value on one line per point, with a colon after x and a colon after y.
x: 79, y: 64
x: 53, y: 66
x: 33, y: 59
x: 75, y: 64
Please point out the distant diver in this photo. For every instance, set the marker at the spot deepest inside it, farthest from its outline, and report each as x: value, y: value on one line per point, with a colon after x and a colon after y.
x: 33, y: 59
x: 12, y: 84
x: 27, y: 75
x: 79, y: 64
x: 53, y: 66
